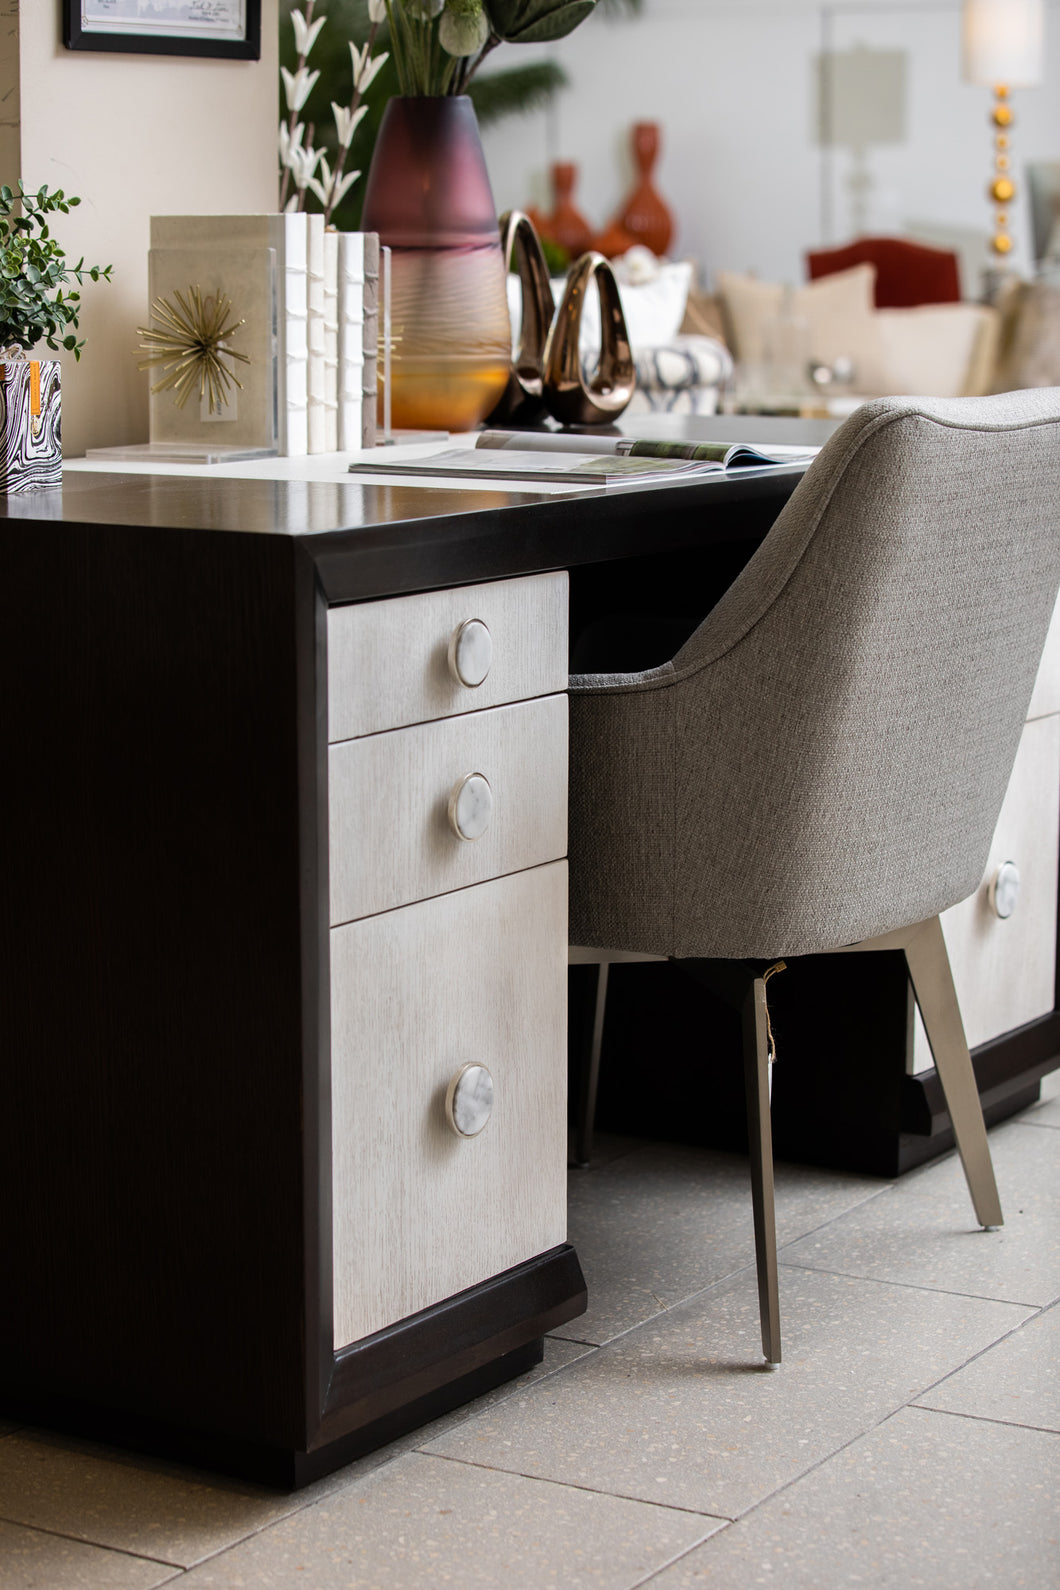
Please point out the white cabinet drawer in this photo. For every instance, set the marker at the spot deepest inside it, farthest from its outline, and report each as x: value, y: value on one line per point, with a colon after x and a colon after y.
x: 1004, y: 970
x: 400, y: 662
x: 418, y: 1212
x: 391, y: 834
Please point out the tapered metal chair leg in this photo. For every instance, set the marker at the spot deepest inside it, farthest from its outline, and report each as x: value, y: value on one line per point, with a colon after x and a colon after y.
x: 932, y: 979
x: 760, y: 1138
x: 583, y: 1146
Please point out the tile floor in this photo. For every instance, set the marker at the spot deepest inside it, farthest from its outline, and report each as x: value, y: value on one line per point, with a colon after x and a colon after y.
x: 911, y: 1437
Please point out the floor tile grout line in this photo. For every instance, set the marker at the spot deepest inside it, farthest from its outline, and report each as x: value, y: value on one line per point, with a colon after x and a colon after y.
x: 989, y: 1348
x: 916, y: 1286
x: 733, y: 1275
x: 910, y: 1402
x: 727, y: 1520
x: 94, y: 1545
x: 797, y: 1479
x: 833, y: 1220
x: 681, y: 1555
x: 668, y: 1308
x: 748, y: 1268
x: 1040, y: 1126
x: 985, y: 1418
x: 512, y: 1388
x: 571, y: 1485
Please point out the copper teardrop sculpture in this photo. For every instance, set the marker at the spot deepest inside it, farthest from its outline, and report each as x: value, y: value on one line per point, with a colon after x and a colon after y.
x: 523, y: 399
x: 571, y: 398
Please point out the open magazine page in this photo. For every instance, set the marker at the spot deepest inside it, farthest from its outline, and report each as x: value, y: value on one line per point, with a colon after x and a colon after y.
x: 726, y: 454
x: 566, y: 458
x: 567, y: 466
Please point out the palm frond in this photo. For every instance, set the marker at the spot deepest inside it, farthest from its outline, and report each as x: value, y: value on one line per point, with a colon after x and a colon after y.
x: 516, y: 90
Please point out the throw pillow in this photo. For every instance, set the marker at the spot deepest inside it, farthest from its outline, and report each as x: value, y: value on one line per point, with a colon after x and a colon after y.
x: 1031, y: 337
x: 937, y: 350
x: 653, y: 309
x: 838, y: 311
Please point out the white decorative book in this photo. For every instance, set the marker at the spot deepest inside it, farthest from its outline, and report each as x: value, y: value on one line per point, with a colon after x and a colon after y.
x: 315, y: 330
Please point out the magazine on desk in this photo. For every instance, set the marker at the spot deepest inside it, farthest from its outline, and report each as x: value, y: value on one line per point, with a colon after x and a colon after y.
x: 565, y: 458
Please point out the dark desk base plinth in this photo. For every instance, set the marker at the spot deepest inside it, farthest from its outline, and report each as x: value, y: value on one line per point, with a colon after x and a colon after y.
x: 841, y: 1095
x: 381, y: 1388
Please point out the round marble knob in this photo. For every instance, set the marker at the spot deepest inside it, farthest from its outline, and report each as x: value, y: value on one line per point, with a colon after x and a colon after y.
x: 471, y: 807
x: 470, y: 652
x: 469, y: 1100
x: 1005, y: 889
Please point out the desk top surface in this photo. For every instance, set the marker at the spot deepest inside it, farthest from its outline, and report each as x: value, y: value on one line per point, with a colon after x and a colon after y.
x: 372, y: 538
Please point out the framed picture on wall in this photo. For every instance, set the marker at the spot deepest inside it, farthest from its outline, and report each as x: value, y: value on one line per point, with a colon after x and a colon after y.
x: 165, y: 27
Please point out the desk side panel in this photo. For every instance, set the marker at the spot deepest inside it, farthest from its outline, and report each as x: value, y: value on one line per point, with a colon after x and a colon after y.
x: 152, y: 1181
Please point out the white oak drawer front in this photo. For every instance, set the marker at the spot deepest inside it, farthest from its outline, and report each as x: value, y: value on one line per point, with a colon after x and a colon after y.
x: 397, y: 800
x: 420, y: 1213
x: 1004, y: 967
x: 419, y: 657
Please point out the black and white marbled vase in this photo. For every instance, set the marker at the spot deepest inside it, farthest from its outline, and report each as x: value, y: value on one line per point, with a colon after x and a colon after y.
x: 31, y: 454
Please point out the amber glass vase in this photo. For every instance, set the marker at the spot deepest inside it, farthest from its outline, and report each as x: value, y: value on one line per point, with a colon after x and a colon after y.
x: 429, y: 198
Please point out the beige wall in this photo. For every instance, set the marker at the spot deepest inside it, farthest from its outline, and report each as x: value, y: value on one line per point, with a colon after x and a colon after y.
x: 8, y: 91
x: 135, y: 136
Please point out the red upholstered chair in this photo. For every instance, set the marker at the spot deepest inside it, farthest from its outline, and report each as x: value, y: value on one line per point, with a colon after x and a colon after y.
x: 906, y: 273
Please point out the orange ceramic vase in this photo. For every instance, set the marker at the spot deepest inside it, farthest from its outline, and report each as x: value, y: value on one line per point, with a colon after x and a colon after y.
x: 645, y: 218
x: 428, y: 196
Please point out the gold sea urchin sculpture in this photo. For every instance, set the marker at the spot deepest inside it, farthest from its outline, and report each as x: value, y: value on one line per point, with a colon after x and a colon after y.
x: 190, y: 345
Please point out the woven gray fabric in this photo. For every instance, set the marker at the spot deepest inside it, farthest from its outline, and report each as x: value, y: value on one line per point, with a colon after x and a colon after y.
x: 825, y: 759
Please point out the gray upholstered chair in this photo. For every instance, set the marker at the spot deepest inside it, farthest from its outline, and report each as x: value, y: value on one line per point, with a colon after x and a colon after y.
x: 822, y: 765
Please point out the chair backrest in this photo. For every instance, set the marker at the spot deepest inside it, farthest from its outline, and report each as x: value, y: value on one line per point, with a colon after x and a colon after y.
x: 907, y: 273
x: 826, y: 757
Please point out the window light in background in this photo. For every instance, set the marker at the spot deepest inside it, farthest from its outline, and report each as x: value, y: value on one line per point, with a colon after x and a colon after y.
x: 1003, y: 50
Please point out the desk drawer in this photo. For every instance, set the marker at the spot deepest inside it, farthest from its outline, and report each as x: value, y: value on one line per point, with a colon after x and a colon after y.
x: 399, y: 662
x: 420, y: 1213
x: 392, y: 807
x: 1004, y: 969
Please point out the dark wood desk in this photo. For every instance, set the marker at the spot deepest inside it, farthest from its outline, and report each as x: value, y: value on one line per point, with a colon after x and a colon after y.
x: 167, y: 1178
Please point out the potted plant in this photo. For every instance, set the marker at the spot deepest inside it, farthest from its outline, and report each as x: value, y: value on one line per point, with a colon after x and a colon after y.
x: 36, y: 306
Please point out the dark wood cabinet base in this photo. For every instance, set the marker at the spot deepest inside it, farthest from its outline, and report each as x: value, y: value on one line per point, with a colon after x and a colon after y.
x: 841, y: 1096
x: 380, y: 1388
x: 254, y: 1460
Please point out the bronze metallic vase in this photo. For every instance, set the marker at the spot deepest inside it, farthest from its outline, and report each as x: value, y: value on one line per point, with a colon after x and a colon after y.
x: 572, y: 397
x: 429, y: 198
x: 523, y: 402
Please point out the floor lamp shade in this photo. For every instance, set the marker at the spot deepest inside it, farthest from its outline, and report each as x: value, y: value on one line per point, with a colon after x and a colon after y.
x: 1003, y: 42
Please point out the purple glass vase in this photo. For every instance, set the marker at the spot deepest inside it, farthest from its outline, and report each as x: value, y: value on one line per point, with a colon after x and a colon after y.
x: 428, y: 196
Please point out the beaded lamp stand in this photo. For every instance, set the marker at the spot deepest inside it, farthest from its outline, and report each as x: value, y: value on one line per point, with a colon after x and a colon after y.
x: 1002, y: 188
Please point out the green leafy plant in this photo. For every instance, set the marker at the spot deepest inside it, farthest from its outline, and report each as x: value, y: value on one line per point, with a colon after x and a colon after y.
x: 439, y: 45
x: 34, y: 273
